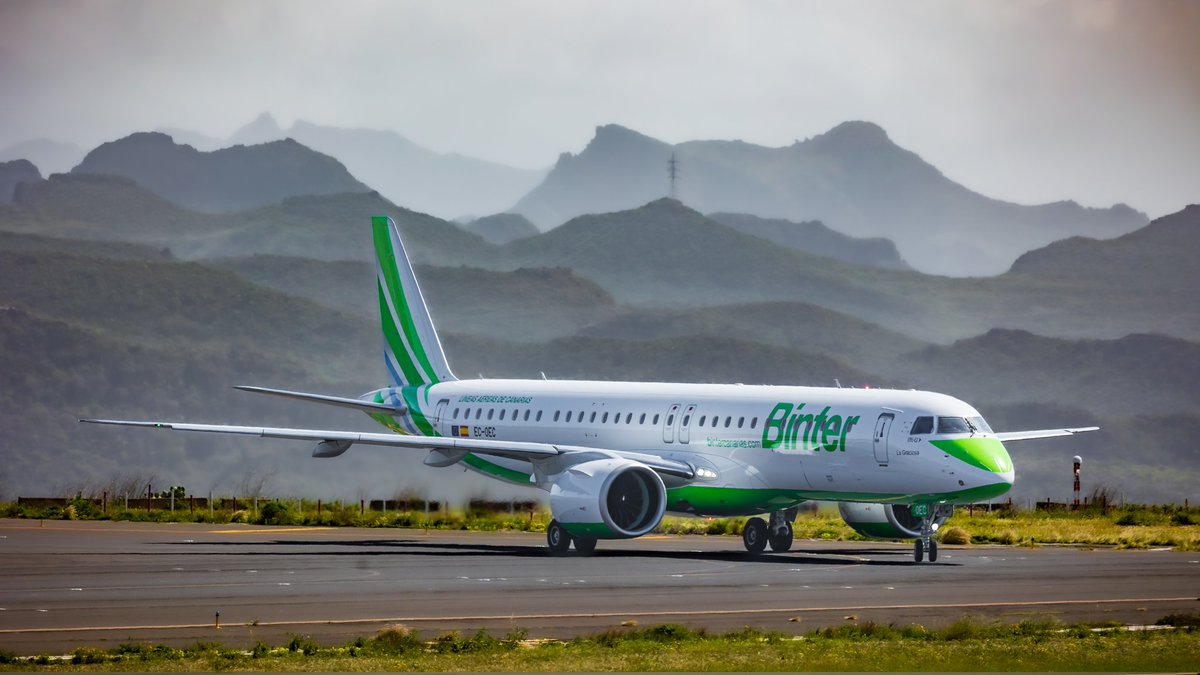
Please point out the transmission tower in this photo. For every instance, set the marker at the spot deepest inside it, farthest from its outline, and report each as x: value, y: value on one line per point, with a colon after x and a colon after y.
x: 673, y: 172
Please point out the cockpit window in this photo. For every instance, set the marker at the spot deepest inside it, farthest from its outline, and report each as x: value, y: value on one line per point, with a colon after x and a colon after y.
x: 922, y: 426
x: 980, y: 424
x: 953, y: 425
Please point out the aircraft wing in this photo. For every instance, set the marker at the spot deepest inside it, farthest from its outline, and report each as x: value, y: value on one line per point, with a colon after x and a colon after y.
x: 1009, y: 436
x: 452, y: 448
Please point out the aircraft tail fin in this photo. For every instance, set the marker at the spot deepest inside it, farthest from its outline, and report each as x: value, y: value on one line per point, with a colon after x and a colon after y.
x: 411, y: 347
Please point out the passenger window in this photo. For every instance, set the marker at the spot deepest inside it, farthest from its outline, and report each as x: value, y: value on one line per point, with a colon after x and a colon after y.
x: 642, y: 419
x: 753, y: 422
x: 556, y: 412
x: 922, y: 426
x: 603, y: 420
x: 953, y: 425
x: 568, y: 415
x: 455, y: 414
x: 728, y: 421
x: 685, y: 421
x: 479, y: 413
x: 655, y: 422
x: 539, y: 416
x: 491, y: 412
x: 702, y: 418
x: 593, y: 418
x: 741, y: 421
x: 716, y: 420
x: 501, y: 414
x: 617, y: 418
x: 670, y: 420
x: 628, y: 418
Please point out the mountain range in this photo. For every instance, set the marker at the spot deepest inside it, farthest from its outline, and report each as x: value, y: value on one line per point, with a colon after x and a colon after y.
x: 445, y: 185
x: 118, y: 298
x: 852, y: 178
x: 223, y: 180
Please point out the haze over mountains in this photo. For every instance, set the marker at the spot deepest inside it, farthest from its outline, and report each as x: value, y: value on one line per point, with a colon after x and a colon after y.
x: 853, y: 178
x: 155, y: 276
x: 445, y: 185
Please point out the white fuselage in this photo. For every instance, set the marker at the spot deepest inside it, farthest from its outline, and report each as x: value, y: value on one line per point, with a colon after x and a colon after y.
x: 752, y: 441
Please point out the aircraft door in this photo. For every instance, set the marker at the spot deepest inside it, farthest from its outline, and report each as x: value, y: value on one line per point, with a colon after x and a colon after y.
x: 882, y: 426
x: 669, y: 424
x: 439, y: 417
x: 685, y: 422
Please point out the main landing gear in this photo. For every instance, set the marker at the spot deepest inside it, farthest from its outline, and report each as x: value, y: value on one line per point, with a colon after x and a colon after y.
x: 925, y: 543
x: 757, y: 534
x: 559, y: 541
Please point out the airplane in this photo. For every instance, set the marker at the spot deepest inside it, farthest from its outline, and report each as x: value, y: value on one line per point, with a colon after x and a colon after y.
x: 616, y: 456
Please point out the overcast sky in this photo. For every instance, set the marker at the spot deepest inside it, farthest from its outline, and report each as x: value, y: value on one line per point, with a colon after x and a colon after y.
x: 1024, y: 100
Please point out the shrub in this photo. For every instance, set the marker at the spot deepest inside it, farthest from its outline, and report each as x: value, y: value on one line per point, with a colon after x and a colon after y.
x: 303, y: 644
x: 955, y: 535
x: 88, y: 655
x: 278, y: 513
x: 260, y: 650
x: 1180, y: 620
x: 395, y: 640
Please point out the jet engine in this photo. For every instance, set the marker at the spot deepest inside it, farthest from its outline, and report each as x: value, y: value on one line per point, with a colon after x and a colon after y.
x: 609, y: 498
x: 886, y: 521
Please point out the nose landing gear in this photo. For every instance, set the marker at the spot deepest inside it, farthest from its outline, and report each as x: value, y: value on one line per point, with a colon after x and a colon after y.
x: 925, y: 543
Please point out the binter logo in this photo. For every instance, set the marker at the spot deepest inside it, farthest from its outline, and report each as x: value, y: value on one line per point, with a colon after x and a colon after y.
x: 788, y: 427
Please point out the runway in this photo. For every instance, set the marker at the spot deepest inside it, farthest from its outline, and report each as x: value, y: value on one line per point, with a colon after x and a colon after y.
x: 66, y: 584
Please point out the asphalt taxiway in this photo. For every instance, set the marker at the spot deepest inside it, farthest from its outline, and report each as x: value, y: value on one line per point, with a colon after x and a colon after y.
x: 65, y: 584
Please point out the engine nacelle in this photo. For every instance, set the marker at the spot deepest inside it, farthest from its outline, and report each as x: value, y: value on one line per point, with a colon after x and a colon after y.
x: 608, y: 498
x: 886, y: 521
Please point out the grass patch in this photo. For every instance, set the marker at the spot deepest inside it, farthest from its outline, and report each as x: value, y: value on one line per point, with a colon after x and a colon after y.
x: 1126, y: 526
x: 970, y: 644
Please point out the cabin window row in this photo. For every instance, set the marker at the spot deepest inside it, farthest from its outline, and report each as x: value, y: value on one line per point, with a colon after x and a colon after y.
x: 518, y: 415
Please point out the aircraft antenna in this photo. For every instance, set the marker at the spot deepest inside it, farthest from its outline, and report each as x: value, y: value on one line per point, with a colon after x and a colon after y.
x: 673, y: 172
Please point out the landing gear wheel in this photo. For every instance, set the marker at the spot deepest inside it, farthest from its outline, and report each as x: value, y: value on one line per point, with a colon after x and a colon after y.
x: 918, y: 551
x: 584, y: 545
x: 932, y: 551
x: 781, y: 541
x: 754, y: 535
x: 557, y: 538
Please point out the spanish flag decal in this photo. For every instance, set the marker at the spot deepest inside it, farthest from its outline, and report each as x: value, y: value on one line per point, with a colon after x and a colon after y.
x: 461, y: 432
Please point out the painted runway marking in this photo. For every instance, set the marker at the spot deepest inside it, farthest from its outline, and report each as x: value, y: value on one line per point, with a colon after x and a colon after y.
x: 600, y: 615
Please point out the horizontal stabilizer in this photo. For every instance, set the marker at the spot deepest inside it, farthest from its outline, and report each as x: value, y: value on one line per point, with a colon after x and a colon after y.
x: 354, y: 403
x: 1009, y: 436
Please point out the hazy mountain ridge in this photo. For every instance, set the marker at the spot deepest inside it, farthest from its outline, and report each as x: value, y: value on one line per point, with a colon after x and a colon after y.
x: 1171, y: 243
x: 852, y: 178
x: 49, y: 156
x: 814, y: 237
x: 794, y: 325
x: 1132, y: 375
x: 332, y: 227
x: 230, y: 179
x: 13, y: 173
x: 447, y: 185
x: 502, y: 228
x: 116, y: 250
x: 527, y: 305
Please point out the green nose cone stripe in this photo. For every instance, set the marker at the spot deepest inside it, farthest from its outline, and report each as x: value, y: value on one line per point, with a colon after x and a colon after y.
x: 984, y: 453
